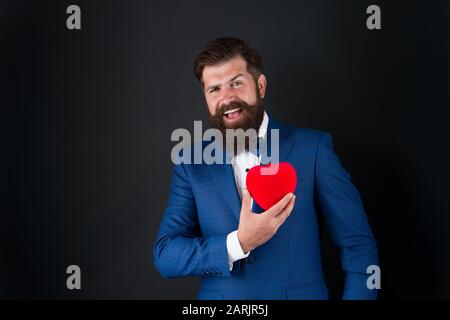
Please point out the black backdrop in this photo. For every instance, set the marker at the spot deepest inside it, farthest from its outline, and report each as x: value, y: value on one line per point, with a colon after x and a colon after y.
x: 90, y: 113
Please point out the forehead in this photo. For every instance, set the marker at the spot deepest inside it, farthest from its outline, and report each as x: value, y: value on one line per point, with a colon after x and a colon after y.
x: 224, y: 71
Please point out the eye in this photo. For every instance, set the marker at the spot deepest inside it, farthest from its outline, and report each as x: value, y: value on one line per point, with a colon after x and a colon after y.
x: 236, y: 83
x: 213, y: 90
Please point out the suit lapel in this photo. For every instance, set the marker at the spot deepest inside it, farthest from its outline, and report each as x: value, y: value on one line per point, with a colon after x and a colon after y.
x: 224, y: 178
x: 285, y: 144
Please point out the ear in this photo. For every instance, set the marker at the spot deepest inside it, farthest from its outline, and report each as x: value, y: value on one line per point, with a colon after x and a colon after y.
x: 262, y: 85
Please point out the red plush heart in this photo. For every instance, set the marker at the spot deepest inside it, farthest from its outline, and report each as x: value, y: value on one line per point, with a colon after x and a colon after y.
x: 268, y: 184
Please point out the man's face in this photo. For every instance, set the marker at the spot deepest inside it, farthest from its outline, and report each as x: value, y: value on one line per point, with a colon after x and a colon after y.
x: 233, y: 96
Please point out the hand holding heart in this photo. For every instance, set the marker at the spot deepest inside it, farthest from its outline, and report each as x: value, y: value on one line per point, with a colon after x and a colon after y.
x: 256, y: 229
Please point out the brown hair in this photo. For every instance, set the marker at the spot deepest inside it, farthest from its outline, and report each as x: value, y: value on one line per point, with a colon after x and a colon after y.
x: 220, y: 50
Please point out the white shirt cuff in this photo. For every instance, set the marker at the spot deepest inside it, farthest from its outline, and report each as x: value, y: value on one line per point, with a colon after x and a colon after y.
x: 234, y: 249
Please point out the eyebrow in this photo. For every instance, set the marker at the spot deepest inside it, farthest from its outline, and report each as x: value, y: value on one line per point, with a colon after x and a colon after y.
x: 218, y: 85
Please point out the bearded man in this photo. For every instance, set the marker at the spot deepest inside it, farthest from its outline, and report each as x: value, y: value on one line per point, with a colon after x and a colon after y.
x: 211, y: 226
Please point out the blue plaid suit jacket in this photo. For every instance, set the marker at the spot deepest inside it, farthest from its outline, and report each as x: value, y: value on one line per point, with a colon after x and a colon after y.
x: 204, y: 206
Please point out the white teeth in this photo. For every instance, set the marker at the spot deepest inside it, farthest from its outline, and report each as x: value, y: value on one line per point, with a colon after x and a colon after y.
x: 232, y: 110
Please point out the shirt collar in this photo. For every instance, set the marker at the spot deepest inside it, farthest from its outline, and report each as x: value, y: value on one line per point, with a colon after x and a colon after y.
x: 263, y: 127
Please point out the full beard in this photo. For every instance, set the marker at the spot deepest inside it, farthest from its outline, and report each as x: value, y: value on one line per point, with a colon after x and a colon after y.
x: 251, y: 117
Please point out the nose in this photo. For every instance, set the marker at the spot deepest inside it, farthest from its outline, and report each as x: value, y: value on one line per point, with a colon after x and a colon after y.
x: 227, y: 96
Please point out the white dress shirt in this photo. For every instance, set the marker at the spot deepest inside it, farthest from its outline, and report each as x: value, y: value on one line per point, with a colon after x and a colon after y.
x: 241, y: 163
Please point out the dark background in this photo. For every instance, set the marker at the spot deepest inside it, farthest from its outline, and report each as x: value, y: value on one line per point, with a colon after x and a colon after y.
x: 89, y: 115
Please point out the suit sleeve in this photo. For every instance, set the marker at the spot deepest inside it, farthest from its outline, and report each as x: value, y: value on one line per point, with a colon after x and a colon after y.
x: 180, y: 250
x: 346, y: 219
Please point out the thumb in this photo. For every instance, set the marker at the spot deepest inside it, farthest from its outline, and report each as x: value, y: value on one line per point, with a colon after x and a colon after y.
x: 246, y: 201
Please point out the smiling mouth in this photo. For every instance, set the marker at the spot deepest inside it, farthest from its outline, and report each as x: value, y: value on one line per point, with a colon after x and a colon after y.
x: 233, y: 114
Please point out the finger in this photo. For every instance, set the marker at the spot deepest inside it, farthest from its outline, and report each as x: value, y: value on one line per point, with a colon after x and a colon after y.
x: 246, y: 201
x: 278, y: 207
x: 286, y: 212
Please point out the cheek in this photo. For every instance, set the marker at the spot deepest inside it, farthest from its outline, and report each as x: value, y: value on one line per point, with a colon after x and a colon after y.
x: 249, y: 96
x: 211, y: 106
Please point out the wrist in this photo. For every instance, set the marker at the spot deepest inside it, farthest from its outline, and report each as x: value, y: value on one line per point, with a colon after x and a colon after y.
x: 245, y: 248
